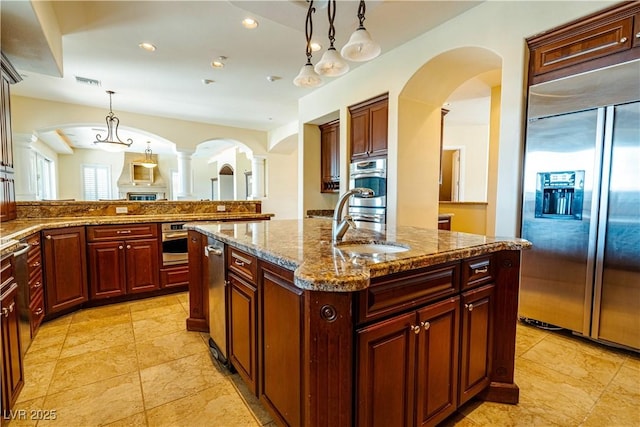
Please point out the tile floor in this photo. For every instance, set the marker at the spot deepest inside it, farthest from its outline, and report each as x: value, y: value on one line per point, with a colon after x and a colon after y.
x: 134, y: 364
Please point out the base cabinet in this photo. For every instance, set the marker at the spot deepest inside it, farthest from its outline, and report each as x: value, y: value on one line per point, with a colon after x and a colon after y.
x: 12, y: 370
x: 242, y: 325
x: 65, y: 268
x: 407, y: 367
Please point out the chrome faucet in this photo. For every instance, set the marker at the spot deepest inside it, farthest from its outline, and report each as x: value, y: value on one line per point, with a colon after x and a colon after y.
x: 341, y: 224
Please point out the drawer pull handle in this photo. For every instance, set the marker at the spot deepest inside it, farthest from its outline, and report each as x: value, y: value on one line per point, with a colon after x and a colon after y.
x: 35, y: 243
x: 469, y: 307
x: 48, y: 236
x: 39, y: 311
x: 238, y: 263
x: 36, y: 264
x: 425, y: 325
x: 5, y: 311
x: 415, y: 329
x: 623, y: 40
x: 123, y: 231
x: 484, y: 269
x: 37, y: 285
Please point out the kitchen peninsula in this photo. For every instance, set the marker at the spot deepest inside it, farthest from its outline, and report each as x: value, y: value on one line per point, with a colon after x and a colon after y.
x: 401, y: 333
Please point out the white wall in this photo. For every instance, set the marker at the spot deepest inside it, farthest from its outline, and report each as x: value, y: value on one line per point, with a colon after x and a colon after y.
x: 473, y: 142
x: 282, y: 186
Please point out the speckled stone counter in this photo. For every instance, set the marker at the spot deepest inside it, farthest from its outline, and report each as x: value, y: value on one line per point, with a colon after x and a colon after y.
x: 305, y: 247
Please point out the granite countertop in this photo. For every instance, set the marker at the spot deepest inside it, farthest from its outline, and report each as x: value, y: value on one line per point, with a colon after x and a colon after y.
x: 12, y: 231
x: 305, y: 247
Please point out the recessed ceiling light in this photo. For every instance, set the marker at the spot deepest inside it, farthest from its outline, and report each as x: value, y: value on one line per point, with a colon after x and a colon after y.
x: 147, y: 46
x: 218, y: 62
x: 273, y: 78
x: 315, y: 46
x: 249, y: 23
x: 207, y: 81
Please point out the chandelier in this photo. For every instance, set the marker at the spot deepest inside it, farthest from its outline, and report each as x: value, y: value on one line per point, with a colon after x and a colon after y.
x: 112, y: 141
x: 360, y: 47
x: 148, y: 161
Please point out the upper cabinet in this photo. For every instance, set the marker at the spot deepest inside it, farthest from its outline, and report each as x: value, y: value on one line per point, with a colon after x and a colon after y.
x: 330, y: 157
x: 7, y: 185
x: 369, y: 124
x: 606, y: 38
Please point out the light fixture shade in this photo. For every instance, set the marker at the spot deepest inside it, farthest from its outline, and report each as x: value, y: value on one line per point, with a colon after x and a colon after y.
x: 331, y: 64
x: 360, y: 46
x: 307, y: 77
x: 111, y: 147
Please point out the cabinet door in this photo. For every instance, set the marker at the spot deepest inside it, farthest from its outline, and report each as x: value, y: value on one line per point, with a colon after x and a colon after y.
x: 379, y: 117
x: 12, y: 371
x: 359, y: 134
x: 437, y: 362
x: 143, y: 267
x: 242, y: 329
x: 330, y: 157
x: 65, y: 268
x: 385, y: 372
x: 107, y: 269
x: 476, y: 341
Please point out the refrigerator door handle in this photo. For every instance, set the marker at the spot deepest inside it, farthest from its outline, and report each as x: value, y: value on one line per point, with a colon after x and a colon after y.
x: 602, y: 215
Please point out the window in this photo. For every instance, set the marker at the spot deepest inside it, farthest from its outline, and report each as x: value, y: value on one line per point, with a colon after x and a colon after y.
x: 44, y: 178
x: 97, y: 182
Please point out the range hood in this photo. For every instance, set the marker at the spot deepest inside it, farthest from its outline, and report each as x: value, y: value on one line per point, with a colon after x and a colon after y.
x: 139, y: 183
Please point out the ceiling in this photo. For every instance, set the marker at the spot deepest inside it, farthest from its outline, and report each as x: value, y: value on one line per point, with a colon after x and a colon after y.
x: 99, y: 40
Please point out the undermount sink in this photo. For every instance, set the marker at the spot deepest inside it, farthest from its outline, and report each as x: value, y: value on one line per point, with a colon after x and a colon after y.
x: 371, y: 247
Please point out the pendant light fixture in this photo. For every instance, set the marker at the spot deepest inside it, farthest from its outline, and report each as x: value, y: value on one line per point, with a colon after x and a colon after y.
x: 148, y: 161
x: 112, y: 141
x: 308, y: 76
x: 360, y: 46
x: 331, y: 64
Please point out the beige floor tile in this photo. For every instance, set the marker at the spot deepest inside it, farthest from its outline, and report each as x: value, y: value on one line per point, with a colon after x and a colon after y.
x: 58, y: 322
x: 147, y: 303
x: 83, y: 338
x: 618, y: 405
x: 527, y: 337
x: 27, y: 413
x: 158, y: 350
x: 178, y: 378
x: 183, y: 297
x: 99, y: 316
x: 632, y: 361
x: 136, y: 420
x: 46, y: 346
x: 95, y: 404
x: 146, y: 329
x: 161, y: 311
x: 37, y: 378
x: 90, y: 367
x: 219, y: 405
x: 580, y: 360
x: 258, y: 410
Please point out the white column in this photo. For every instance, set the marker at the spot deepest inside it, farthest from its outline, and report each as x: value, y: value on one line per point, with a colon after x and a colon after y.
x: 257, y: 177
x: 24, y: 166
x: 184, y: 170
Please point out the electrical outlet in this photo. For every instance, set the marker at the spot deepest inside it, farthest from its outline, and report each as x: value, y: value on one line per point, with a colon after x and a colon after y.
x: 121, y: 209
x: 221, y: 208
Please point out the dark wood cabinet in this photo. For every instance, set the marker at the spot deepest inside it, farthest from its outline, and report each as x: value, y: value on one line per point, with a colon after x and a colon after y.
x: 12, y: 367
x: 330, y: 157
x: 369, y: 128
x: 8, y: 76
x: 407, y: 367
x: 121, y: 262
x: 36, y: 283
x: 476, y: 341
x: 602, y: 39
x: 65, y: 268
x: 242, y: 314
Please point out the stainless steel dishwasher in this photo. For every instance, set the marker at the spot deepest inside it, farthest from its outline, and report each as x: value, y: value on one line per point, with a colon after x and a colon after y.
x: 214, y: 251
x: 22, y: 278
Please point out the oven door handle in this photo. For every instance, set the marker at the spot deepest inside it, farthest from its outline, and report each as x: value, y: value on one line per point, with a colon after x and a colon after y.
x: 357, y: 217
x: 179, y: 235
x: 361, y: 174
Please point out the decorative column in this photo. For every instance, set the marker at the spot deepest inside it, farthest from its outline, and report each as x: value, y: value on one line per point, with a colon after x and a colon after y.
x: 257, y: 177
x: 184, y: 171
x: 24, y: 165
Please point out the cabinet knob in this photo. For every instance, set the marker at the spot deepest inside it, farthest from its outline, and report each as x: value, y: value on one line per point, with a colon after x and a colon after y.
x: 469, y: 307
x: 623, y: 40
x: 128, y: 246
x: 638, y: 35
x: 426, y: 325
x: 415, y: 329
x: 120, y: 247
x: 5, y: 311
x: 48, y: 236
x: 37, y: 285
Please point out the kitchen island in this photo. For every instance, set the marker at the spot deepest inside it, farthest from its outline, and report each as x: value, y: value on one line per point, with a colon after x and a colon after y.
x: 398, y: 333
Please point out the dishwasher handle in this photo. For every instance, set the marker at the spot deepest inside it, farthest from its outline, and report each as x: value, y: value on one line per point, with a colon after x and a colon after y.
x: 213, y: 250
x: 23, y: 248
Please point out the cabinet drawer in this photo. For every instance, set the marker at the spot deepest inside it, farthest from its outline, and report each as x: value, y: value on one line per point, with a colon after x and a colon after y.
x: 477, y: 271
x: 36, y: 309
x: 6, y: 270
x: 119, y: 232
x: 174, y: 276
x: 35, y: 285
x: 34, y: 243
x: 241, y: 263
x: 402, y: 291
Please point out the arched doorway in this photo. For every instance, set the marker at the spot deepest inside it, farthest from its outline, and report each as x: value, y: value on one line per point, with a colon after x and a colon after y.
x: 226, y: 183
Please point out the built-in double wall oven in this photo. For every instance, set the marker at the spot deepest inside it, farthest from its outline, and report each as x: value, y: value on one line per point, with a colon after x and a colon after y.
x: 174, y: 244
x: 369, y: 174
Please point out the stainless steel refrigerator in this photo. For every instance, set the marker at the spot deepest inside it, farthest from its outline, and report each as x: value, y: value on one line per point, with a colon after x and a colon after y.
x: 581, y: 205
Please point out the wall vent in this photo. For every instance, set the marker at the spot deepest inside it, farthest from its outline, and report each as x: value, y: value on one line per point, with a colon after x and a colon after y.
x: 88, y: 81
